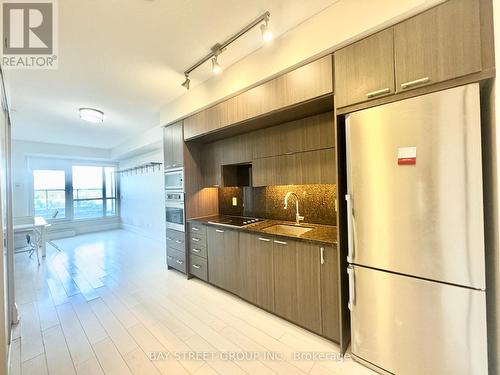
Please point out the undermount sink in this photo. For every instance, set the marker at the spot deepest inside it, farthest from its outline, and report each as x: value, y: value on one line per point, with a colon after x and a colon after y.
x: 290, y: 230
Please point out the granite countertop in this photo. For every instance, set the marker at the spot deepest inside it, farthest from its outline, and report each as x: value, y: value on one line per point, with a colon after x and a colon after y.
x: 321, y: 234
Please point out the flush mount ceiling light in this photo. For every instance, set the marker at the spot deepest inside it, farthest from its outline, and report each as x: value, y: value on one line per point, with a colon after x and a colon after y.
x: 91, y: 115
x: 218, y: 48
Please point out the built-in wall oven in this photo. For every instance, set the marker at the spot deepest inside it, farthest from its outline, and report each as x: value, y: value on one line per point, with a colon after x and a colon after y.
x: 174, y: 209
x: 174, y: 179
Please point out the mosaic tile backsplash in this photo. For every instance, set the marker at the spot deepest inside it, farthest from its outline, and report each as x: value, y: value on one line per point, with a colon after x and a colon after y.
x: 316, y: 202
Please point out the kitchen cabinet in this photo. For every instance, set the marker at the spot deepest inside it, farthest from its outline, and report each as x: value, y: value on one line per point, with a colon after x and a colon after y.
x: 173, y: 146
x: 365, y: 69
x: 311, y: 167
x: 439, y: 44
x: 176, y: 250
x: 176, y: 259
x: 307, y: 134
x: 211, y: 164
x: 256, y: 270
x: 330, y: 292
x: 300, y: 85
x: 198, y: 267
x: 223, y: 258
x: 297, y: 282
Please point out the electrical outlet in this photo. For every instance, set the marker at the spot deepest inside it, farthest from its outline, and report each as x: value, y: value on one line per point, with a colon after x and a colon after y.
x: 235, y: 201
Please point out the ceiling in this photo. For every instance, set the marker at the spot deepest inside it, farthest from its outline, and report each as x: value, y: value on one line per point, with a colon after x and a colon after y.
x: 127, y: 58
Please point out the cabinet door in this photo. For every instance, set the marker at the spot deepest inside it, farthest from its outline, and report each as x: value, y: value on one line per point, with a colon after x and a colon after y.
x: 330, y: 292
x: 297, y: 283
x: 439, y: 44
x: 231, y: 261
x: 167, y: 147
x: 256, y: 270
x: 177, y: 145
x: 315, y: 167
x: 265, y: 171
x: 216, y: 256
x: 365, y: 69
x: 211, y: 164
x: 223, y: 258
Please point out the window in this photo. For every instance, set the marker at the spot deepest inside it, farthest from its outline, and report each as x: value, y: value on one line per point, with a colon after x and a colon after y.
x: 71, y: 191
x: 50, y: 193
x: 94, y: 192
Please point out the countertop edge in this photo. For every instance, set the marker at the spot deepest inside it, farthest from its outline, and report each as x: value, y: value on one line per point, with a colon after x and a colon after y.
x: 251, y: 229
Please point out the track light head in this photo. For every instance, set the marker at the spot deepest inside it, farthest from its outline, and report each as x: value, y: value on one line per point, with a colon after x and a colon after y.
x: 216, y: 68
x: 267, y: 34
x: 186, y: 83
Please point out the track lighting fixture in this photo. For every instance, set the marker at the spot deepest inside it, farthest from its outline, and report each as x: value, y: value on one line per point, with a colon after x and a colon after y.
x: 218, y: 48
x: 216, y: 68
x: 267, y: 34
x: 185, y: 84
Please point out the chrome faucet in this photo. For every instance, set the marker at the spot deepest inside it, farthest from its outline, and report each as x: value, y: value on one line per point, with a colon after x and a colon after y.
x: 298, y: 218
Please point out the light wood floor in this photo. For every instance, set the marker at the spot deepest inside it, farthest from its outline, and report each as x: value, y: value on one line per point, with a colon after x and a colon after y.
x: 105, y: 303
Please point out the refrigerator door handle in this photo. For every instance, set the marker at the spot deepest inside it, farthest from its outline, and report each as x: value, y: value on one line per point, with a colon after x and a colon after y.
x: 352, y: 296
x: 350, y: 242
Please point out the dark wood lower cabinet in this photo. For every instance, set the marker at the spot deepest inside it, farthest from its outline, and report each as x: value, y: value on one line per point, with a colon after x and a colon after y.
x: 256, y: 270
x: 330, y: 292
x: 223, y: 258
x: 296, y: 280
x: 297, y: 283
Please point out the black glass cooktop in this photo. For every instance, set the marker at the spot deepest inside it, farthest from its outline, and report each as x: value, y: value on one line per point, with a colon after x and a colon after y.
x: 235, y: 221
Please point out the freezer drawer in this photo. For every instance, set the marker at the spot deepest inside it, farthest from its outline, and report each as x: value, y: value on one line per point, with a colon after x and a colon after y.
x: 415, y: 183
x: 411, y: 326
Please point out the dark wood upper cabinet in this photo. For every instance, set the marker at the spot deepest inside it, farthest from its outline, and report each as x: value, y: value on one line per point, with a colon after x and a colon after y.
x: 256, y: 270
x: 173, y: 145
x: 307, y: 134
x: 211, y: 162
x: 439, y: 44
x: 300, y: 85
x: 297, y: 283
x: 365, y: 69
x: 311, y: 167
x: 223, y: 258
x: 330, y: 292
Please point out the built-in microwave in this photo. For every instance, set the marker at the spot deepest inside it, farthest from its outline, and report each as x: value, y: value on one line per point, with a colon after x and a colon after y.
x: 174, y: 179
x: 174, y: 210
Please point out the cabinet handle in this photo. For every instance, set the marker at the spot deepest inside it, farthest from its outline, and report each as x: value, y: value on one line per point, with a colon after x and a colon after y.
x: 264, y: 239
x: 280, y: 242
x: 180, y: 262
x: 219, y: 231
x: 169, y: 238
x: 409, y: 84
x: 373, y: 94
x: 195, y: 239
x: 196, y: 250
x: 322, y: 255
x: 196, y: 266
x: 178, y: 241
x: 195, y: 229
x: 169, y: 257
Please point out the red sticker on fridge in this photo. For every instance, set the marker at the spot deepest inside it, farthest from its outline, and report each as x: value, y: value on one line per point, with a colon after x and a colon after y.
x: 407, y: 156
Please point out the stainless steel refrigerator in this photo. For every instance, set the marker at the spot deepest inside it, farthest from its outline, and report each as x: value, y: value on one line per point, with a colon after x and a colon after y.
x: 416, y: 235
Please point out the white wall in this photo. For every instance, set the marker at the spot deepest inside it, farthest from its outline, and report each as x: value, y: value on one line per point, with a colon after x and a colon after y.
x: 142, y: 207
